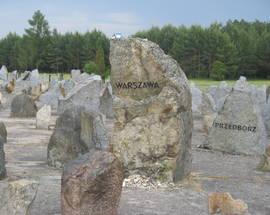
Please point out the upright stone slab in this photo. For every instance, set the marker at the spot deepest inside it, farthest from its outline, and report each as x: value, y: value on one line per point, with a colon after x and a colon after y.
x: 76, y: 132
x: 43, y: 117
x: 92, y: 184
x: 34, y: 78
x: 23, y: 106
x: 4, y: 73
x: 219, y: 94
x: 196, y: 99
x: 85, y: 93
x: 106, y: 101
x: 53, y: 94
x: 152, y: 107
x: 75, y: 74
x: 238, y: 128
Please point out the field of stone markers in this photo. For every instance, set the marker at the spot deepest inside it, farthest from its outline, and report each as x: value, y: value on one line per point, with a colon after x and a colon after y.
x: 146, y: 142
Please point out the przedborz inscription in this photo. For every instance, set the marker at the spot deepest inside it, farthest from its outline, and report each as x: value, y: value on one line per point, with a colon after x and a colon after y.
x: 229, y: 126
x: 137, y: 85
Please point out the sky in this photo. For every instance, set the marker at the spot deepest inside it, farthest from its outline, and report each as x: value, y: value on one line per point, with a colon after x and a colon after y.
x: 127, y: 16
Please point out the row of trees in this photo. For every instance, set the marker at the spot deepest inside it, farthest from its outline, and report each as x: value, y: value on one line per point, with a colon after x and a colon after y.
x: 50, y: 51
x: 217, y: 52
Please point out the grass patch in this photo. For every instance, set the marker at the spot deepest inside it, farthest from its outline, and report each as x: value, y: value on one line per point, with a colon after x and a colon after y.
x: 204, y: 84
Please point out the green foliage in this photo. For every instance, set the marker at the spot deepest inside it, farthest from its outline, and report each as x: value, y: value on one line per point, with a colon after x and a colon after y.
x: 243, y: 47
x: 91, y: 68
x: 100, y: 61
x: 218, y: 71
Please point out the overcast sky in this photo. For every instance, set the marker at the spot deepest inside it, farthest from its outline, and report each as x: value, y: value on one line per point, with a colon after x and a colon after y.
x: 127, y: 16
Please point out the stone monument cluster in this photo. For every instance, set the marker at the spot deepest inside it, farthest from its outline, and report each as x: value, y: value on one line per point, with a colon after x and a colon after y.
x: 152, y: 107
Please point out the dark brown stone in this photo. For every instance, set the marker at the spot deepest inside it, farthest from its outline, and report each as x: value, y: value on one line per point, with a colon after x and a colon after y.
x: 92, y: 184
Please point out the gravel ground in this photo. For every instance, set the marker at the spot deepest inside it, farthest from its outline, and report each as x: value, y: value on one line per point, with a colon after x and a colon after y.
x: 26, y: 152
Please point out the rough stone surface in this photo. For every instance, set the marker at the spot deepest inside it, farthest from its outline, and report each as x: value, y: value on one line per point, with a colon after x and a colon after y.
x: 3, y: 73
x: 92, y: 184
x: 3, y: 131
x: 76, y: 132
x: 53, y: 94
x: 219, y: 94
x: 196, y: 99
x: 85, y: 93
x: 259, y: 95
x: 75, y: 73
x: 153, y: 125
x: 2, y: 159
x: 106, y: 101
x: 43, y: 117
x: 23, y: 106
x: 17, y: 196
x: 226, y: 135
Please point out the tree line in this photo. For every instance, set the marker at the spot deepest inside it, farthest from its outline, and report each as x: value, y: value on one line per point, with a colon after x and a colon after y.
x: 50, y: 51
x: 220, y: 51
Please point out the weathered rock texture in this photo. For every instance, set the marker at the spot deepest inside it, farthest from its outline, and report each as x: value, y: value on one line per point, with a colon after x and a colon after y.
x: 2, y: 160
x: 92, y: 184
x: 219, y: 94
x: 43, y: 117
x: 3, y: 73
x: 85, y: 93
x: 17, y: 196
x: 56, y: 90
x: 238, y: 128
x: 76, y: 132
x: 153, y: 122
x: 106, y: 101
x: 3, y: 131
x: 23, y: 106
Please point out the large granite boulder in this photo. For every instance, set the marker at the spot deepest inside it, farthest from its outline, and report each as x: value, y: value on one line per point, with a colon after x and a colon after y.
x: 76, y: 132
x: 17, y: 196
x: 238, y: 128
x: 196, y: 99
x: 3, y: 131
x: 152, y: 107
x: 85, y: 93
x: 23, y: 106
x: 92, y: 184
x: 2, y: 159
x: 34, y: 78
x: 259, y: 94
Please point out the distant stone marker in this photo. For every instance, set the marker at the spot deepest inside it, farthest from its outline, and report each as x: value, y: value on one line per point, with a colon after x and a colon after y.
x: 4, y: 73
x: 238, y: 128
x: 152, y: 107
x: 43, y: 117
x: 92, y: 184
x: 23, y: 106
x: 75, y: 74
